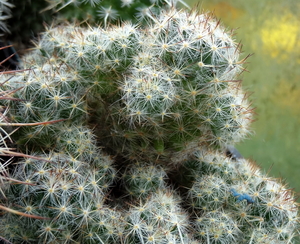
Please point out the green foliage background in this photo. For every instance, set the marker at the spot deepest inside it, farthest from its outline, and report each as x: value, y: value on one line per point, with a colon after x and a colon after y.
x: 269, y: 30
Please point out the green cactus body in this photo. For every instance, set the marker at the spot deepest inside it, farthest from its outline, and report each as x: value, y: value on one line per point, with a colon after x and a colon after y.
x: 66, y: 193
x: 154, y: 91
x: 159, y: 220
x: 161, y: 97
x: 236, y: 202
x: 140, y: 180
x: 46, y: 93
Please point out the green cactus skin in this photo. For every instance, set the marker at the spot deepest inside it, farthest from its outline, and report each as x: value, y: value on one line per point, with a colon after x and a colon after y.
x: 163, y: 99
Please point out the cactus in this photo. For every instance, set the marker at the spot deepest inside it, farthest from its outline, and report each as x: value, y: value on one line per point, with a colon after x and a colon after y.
x: 5, y: 13
x: 108, y: 11
x: 159, y: 220
x: 68, y: 194
x: 236, y: 202
x: 127, y: 127
x: 29, y: 17
x: 158, y: 92
x: 140, y: 180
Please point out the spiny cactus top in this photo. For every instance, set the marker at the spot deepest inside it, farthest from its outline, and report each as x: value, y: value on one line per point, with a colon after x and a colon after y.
x: 152, y: 92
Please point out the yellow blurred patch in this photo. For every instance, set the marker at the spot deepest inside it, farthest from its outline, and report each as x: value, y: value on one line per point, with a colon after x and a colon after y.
x: 224, y: 11
x: 287, y: 96
x: 279, y: 36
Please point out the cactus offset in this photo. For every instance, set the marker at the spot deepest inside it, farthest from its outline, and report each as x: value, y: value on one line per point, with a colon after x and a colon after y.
x: 66, y: 193
x: 244, y: 203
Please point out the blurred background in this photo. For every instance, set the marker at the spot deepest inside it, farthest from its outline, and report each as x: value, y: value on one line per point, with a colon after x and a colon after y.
x: 270, y: 30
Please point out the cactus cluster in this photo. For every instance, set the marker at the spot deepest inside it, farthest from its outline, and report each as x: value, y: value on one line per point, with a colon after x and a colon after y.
x: 150, y: 93
x: 235, y: 203
x: 69, y: 195
x: 125, y: 137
